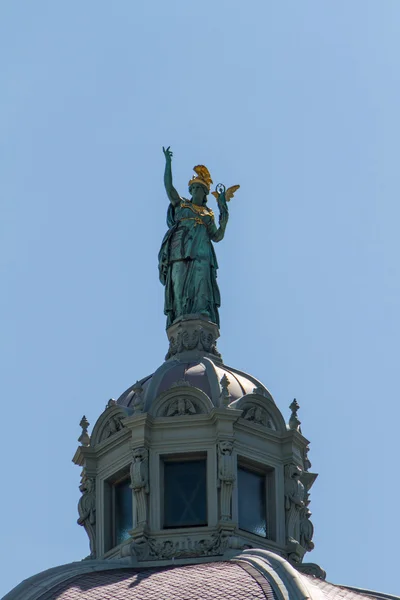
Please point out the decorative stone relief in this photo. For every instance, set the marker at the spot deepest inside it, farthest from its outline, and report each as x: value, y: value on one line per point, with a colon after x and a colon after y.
x: 179, y: 401
x: 192, y: 334
x: 87, y: 510
x: 225, y: 394
x: 84, y: 438
x: 146, y: 548
x: 258, y: 415
x: 294, y: 422
x: 180, y: 406
x: 140, y: 482
x: 226, y: 478
x: 113, y: 425
x: 294, y: 502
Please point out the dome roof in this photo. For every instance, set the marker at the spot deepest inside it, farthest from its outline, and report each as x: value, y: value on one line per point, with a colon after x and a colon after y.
x: 203, y: 373
x: 224, y: 580
x: 256, y: 574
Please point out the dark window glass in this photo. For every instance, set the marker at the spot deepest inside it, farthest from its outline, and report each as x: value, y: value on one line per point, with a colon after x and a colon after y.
x: 122, y: 511
x: 185, y: 493
x: 252, y: 509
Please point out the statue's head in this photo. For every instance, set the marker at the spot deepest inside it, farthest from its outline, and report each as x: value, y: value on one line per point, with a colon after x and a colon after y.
x: 199, y: 193
x: 199, y: 185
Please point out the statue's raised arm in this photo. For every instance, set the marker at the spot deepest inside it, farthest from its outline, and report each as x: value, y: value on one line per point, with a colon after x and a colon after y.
x: 172, y: 194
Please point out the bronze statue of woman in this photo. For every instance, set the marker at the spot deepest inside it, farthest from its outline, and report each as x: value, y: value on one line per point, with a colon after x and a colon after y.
x: 187, y: 262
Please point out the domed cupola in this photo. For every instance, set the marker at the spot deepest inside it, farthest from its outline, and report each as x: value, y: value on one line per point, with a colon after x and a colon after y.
x: 195, y: 461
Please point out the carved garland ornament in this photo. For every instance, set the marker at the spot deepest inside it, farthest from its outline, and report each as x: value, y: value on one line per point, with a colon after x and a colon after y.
x: 199, y: 339
x: 150, y: 549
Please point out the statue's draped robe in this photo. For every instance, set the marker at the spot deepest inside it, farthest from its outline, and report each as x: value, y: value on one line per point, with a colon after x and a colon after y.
x: 188, y: 265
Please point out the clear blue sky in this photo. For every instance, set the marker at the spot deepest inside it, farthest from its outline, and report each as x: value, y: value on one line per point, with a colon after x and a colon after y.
x: 299, y: 102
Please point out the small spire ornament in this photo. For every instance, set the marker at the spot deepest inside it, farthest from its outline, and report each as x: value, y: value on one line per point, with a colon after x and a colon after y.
x: 294, y: 422
x: 84, y: 438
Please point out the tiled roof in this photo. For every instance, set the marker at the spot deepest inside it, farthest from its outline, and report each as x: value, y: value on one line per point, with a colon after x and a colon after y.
x: 340, y: 592
x: 210, y: 581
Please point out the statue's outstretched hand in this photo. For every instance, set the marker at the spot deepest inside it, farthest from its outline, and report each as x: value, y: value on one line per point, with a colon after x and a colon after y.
x: 167, y: 153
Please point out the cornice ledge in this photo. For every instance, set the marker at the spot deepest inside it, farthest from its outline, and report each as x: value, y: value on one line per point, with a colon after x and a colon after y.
x: 225, y: 414
x: 257, y: 429
x: 293, y: 434
x: 187, y: 420
x: 82, y: 453
x: 287, y: 583
x: 137, y: 419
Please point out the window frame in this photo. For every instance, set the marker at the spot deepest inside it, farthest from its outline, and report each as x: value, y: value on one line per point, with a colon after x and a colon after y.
x: 175, y: 458
x: 109, y: 517
x: 269, y: 488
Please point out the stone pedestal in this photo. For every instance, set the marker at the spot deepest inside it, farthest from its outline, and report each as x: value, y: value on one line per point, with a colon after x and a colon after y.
x: 193, y: 336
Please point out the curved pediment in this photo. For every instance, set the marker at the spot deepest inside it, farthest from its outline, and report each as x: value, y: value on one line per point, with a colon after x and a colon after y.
x: 260, y: 410
x: 181, y: 400
x: 109, y: 423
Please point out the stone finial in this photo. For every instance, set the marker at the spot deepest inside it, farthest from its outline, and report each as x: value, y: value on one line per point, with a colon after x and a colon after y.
x: 294, y: 422
x: 225, y: 395
x: 138, y: 404
x: 84, y: 438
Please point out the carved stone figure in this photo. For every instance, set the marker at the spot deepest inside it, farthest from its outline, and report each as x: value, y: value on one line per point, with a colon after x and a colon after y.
x: 187, y: 262
x: 226, y: 478
x: 87, y: 511
x: 180, y: 406
x: 225, y: 394
x: 140, y: 482
x: 113, y: 425
x: 255, y: 414
x: 306, y: 530
x: 138, y: 404
x: 294, y: 501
